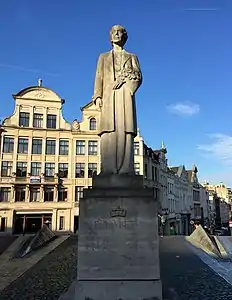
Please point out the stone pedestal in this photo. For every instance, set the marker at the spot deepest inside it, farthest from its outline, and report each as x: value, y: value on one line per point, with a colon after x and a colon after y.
x: 118, y: 246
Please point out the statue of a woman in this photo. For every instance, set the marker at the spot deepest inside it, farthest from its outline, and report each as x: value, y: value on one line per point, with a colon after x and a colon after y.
x: 118, y: 77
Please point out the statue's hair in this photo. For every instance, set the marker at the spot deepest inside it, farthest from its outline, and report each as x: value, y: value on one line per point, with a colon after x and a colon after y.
x: 125, y: 36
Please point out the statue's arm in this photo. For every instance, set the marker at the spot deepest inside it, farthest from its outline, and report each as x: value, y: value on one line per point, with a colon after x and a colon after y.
x: 133, y: 75
x: 98, y: 85
x: 137, y: 71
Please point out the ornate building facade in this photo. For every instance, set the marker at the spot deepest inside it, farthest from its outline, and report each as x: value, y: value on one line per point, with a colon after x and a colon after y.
x: 45, y: 162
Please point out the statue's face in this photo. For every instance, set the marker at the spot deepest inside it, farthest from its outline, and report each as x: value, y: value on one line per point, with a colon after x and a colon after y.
x: 117, y: 35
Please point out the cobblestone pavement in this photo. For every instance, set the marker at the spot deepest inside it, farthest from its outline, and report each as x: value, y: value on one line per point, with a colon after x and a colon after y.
x: 48, y: 278
x: 186, y: 277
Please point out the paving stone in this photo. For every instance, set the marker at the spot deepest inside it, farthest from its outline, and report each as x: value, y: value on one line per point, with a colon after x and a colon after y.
x: 48, y: 278
x: 184, y: 275
x: 187, y: 275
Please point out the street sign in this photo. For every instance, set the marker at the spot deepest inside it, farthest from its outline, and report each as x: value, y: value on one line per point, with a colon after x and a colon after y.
x: 35, y: 179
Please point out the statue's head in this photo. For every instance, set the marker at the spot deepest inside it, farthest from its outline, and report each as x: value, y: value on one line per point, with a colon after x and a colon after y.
x: 118, y: 35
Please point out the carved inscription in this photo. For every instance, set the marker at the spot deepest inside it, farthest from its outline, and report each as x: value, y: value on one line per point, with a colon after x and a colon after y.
x: 94, y: 242
x: 114, y: 223
x: 97, y: 244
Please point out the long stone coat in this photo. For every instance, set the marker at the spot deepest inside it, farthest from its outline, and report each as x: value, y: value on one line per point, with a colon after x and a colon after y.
x: 104, y: 82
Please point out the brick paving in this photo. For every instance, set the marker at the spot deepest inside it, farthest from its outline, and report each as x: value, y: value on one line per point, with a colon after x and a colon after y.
x: 184, y: 275
x: 48, y: 278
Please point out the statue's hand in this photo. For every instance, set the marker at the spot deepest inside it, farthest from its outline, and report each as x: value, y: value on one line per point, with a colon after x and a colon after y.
x: 118, y: 84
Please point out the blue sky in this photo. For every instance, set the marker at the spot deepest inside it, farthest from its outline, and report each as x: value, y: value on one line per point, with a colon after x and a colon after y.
x: 185, y: 52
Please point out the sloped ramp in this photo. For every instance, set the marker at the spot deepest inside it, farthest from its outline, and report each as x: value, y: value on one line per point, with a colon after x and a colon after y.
x: 12, y: 250
x: 225, y: 243
x: 40, y: 239
x: 200, y: 239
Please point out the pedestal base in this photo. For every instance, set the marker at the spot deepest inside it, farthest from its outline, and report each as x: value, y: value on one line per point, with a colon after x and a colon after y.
x: 115, y: 290
x: 118, y: 247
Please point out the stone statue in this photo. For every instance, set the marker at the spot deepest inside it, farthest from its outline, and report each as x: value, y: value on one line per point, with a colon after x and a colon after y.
x: 118, y: 77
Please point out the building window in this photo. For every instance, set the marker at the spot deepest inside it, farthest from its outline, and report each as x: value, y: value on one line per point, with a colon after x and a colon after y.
x: 34, y: 194
x: 63, y: 147
x: 80, y: 147
x: 35, y: 169
x: 38, y: 121
x: 197, y: 210
x: 48, y: 194
x: 80, y: 170
x: 63, y: 170
x: 21, y: 169
x: 49, y: 169
x: 156, y: 174
x: 153, y: 173
x: 5, y: 194
x: 136, y: 148
x: 78, y: 193
x: 22, y: 145
x: 6, y: 169
x: 36, y: 146
x: 51, y: 147
x: 145, y: 171
x: 156, y: 193
x: 61, y: 225
x: 137, y: 168
x: 92, y: 148
x: 92, y: 124
x: 92, y: 169
x: 62, y: 194
x: 3, y: 224
x: 20, y: 194
x: 51, y: 121
x: 24, y: 119
x: 8, y: 145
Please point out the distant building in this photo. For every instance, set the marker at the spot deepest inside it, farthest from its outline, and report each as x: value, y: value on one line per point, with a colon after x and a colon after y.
x: 184, y: 191
x: 204, y: 202
x: 220, y: 197
x: 45, y: 162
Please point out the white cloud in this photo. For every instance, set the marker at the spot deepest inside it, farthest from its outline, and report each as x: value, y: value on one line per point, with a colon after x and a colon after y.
x: 184, y: 108
x: 220, y: 148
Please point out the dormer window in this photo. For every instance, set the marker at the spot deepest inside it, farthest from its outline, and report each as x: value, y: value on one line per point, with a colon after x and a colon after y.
x: 92, y: 124
x: 24, y: 119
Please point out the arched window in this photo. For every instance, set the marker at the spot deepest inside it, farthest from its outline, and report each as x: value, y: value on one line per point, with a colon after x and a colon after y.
x: 92, y: 124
